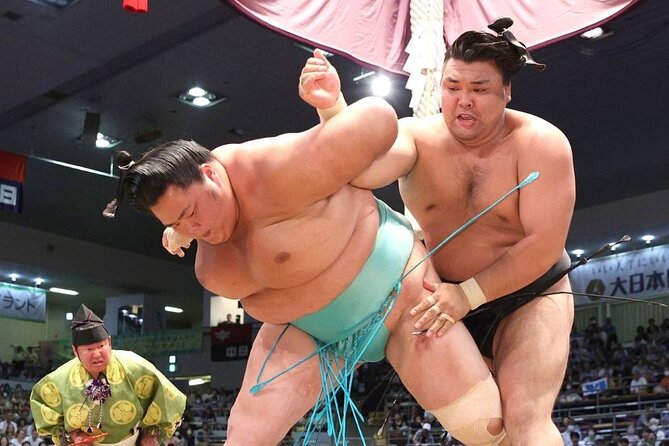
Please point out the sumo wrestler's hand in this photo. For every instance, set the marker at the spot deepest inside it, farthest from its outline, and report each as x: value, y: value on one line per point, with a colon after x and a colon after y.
x: 319, y: 82
x: 441, y: 310
x: 175, y: 243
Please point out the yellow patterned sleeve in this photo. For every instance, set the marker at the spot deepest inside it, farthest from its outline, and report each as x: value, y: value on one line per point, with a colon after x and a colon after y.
x: 165, y: 409
x: 47, y: 410
x: 163, y: 403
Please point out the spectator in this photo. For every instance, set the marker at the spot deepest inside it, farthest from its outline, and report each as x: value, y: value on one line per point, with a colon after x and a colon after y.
x: 641, y: 335
x: 18, y: 440
x: 639, y: 384
x: 652, y: 330
x: 8, y: 422
x: 575, y: 439
x: 611, y: 333
x: 424, y: 435
x: 35, y: 439
x: 630, y: 436
x: 589, y: 440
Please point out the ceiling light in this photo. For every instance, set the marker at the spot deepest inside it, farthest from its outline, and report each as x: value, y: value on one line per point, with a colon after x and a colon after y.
x: 39, y: 281
x: 593, y: 33
x: 201, y: 101
x: 381, y: 86
x: 105, y: 141
x: 196, y: 92
x: 596, y: 33
x: 64, y: 291
x: 68, y: 316
x: 196, y: 382
x: 648, y: 238
x: 200, y: 97
x: 614, y: 246
x: 14, y: 276
x: 578, y: 252
x: 174, y: 310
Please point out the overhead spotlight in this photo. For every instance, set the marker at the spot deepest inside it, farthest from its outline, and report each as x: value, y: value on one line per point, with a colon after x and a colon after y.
x: 64, y: 291
x: 39, y: 281
x: 381, y: 86
x: 614, y: 246
x: 68, y: 316
x: 103, y: 141
x: 596, y: 33
x: 648, y: 238
x: 578, y: 252
x: 196, y: 382
x: 174, y: 310
x: 197, y: 92
x: 14, y: 276
x: 200, y: 97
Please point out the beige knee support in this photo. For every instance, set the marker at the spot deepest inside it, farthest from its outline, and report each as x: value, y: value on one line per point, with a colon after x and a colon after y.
x: 467, y: 418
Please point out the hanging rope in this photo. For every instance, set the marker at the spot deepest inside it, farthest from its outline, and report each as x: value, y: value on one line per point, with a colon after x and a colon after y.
x: 426, y: 50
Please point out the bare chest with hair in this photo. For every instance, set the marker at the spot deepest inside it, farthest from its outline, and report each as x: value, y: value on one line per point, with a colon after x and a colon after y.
x: 449, y: 185
x: 284, y: 267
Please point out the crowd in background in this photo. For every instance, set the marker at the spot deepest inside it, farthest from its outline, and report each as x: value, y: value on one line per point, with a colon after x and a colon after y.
x: 640, y: 369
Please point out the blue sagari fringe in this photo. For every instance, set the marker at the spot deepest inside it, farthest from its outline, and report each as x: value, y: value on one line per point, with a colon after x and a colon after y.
x: 338, y: 361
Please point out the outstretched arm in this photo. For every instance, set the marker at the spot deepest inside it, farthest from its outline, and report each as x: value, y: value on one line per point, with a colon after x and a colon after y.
x: 320, y: 87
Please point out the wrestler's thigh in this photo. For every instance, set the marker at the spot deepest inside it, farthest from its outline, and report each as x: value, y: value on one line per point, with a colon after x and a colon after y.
x: 437, y: 370
x: 282, y: 402
x: 531, y: 349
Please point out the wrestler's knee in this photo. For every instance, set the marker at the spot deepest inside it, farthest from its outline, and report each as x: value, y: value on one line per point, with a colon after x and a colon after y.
x: 475, y: 418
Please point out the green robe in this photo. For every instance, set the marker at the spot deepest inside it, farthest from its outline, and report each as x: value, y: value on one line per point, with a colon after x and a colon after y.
x: 141, y: 397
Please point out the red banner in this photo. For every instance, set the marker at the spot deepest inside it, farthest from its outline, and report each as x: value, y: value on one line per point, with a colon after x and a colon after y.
x: 12, y: 174
x: 12, y: 166
x: 230, y: 342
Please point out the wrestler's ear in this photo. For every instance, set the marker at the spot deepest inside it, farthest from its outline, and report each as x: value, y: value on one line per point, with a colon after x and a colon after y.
x: 208, y: 172
x: 74, y: 351
x: 507, y: 93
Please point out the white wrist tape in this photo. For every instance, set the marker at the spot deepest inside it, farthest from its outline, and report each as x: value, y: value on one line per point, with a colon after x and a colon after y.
x: 327, y: 113
x: 473, y: 293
